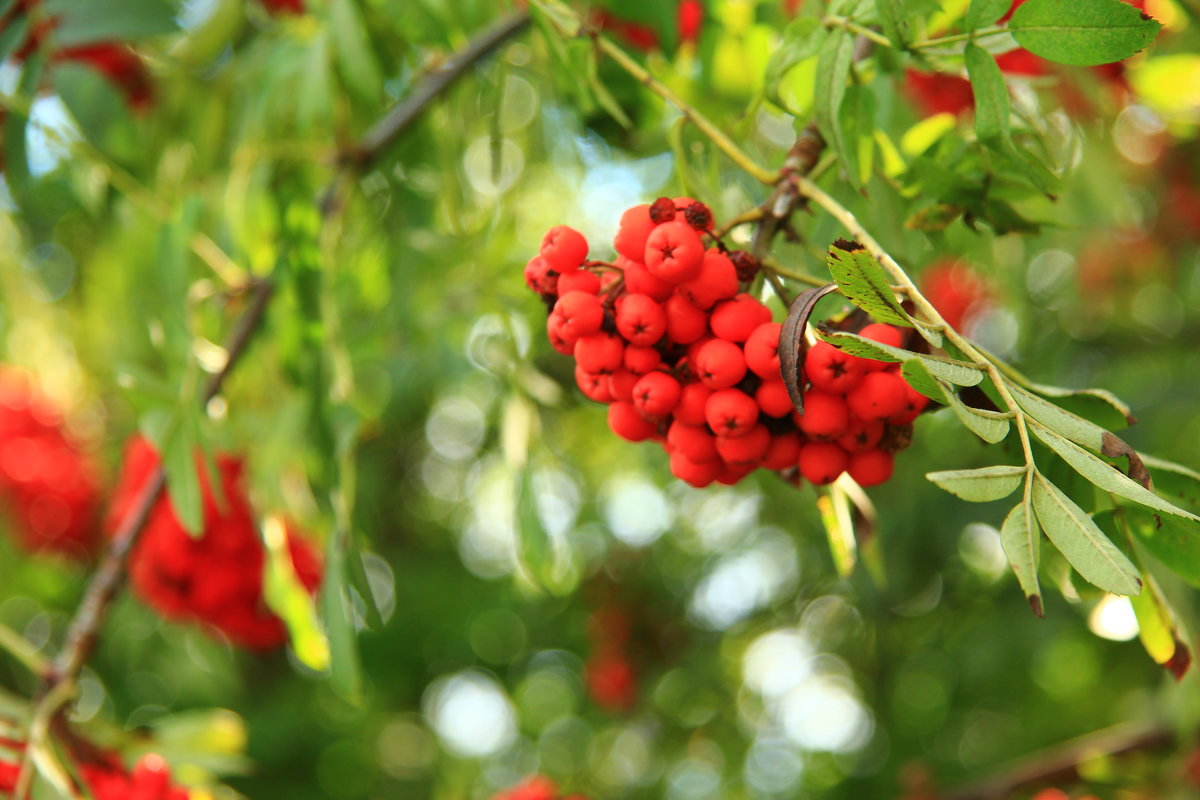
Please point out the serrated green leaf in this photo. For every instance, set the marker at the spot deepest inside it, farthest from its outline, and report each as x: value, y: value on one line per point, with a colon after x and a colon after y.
x: 981, y: 485
x: 1081, y: 542
x: 864, y: 283
x: 833, y: 68
x: 992, y: 106
x: 89, y: 21
x: 1063, y: 422
x: 1105, y: 475
x: 893, y: 18
x: 990, y: 426
x: 985, y: 12
x: 291, y: 602
x: 961, y: 373
x: 1082, y: 34
x: 918, y: 377
x: 1021, y: 539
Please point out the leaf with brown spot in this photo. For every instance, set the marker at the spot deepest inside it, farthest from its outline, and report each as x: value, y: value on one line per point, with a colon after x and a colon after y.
x: 1115, y: 447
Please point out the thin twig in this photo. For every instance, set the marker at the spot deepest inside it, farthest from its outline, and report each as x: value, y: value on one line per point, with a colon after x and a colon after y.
x: 20, y: 649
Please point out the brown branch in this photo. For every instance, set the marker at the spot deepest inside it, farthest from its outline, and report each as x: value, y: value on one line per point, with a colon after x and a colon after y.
x: 1060, y: 764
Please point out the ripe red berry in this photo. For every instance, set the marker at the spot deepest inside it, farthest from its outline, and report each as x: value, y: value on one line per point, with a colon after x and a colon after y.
x: 620, y: 385
x: 656, y: 394
x: 732, y: 474
x: 698, y: 474
x: 716, y: 280
x: 625, y: 421
x: 762, y: 351
x: 564, y: 248
x: 674, y: 252
x: 582, y: 314
x: 719, y: 364
x: 731, y: 412
x: 612, y: 685
x: 831, y: 370
x: 594, y: 387
x: 878, y: 396
x: 554, y: 332
x: 685, y: 322
x: 639, y: 280
x: 914, y: 404
x: 600, y: 353
x: 634, y: 229
x: 822, y: 462
x: 640, y: 320
x: 693, y: 441
x: 825, y: 415
x: 862, y: 435
x: 540, y: 276
x: 578, y: 280
x: 640, y: 360
x: 870, y: 467
x: 783, y: 452
x: 746, y: 449
x: 736, y: 319
x: 772, y: 397
x: 693, y: 399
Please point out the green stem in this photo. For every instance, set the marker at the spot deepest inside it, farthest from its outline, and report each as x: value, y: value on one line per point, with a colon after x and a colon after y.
x: 982, y: 33
x: 20, y: 649
x: 558, y: 12
x: 834, y: 21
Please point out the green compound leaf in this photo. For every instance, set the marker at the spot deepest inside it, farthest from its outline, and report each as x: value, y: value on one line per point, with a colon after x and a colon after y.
x: 1082, y: 33
x: 1174, y: 542
x: 1081, y: 542
x: 1068, y: 425
x: 1021, y: 539
x: 992, y: 106
x: 981, y: 485
x: 985, y: 12
x: 1106, y: 476
x: 960, y: 373
x: 894, y: 20
x: 990, y: 426
x: 864, y: 283
x: 833, y: 68
x: 920, y: 378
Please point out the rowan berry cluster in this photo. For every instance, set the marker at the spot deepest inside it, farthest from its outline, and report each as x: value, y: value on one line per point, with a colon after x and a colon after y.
x: 215, y: 578
x: 49, y: 487
x: 668, y: 338
x: 535, y: 787
x: 104, y: 776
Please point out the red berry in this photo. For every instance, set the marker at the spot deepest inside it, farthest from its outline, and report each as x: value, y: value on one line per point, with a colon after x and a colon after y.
x: 825, y: 415
x: 731, y: 412
x: 620, y: 385
x: 640, y: 320
x: 540, y: 276
x: 773, y: 398
x: 762, y: 351
x: 689, y: 17
x: 600, y: 353
x: 578, y: 280
x: 564, y: 248
x: 870, y: 467
x: 594, y: 387
x: 732, y: 474
x: 662, y: 210
x: 878, y: 396
x: 639, y: 280
x: 831, y: 370
x: 554, y: 332
x: 746, y: 449
x: 634, y: 229
x: 736, y: 319
x: 699, y: 216
x: 685, y: 322
x: 674, y: 252
x: 582, y: 314
x: 640, y: 360
x: 716, y: 280
x: 693, y: 399
x: 862, y: 435
x: 719, y: 364
x: 698, y: 474
x: 914, y: 404
x: 783, y: 452
x: 693, y: 441
x: 884, y: 334
x: 656, y: 394
x: 612, y: 684
x: 822, y: 462
x: 625, y: 421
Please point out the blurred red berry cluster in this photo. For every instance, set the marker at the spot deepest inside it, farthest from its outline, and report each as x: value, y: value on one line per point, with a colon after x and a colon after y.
x: 668, y: 339
x: 689, y: 21
x: 535, y: 787
x: 216, y: 577
x: 104, y: 777
x: 608, y: 673
x: 49, y: 487
x: 958, y: 292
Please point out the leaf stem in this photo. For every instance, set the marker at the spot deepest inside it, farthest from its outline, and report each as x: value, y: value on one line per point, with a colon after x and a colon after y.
x: 982, y: 33
x: 20, y: 649
x: 835, y: 21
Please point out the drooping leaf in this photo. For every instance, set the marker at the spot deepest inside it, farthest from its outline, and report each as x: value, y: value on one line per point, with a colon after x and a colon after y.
x: 1083, y: 544
x: 791, y: 341
x: 981, y: 485
x: 1106, y: 476
x: 920, y: 378
x: 291, y: 602
x: 864, y: 283
x: 1021, y: 539
x: 833, y: 68
x: 960, y: 373
x: 338, y: 621
x: 1159, y: 630
x: 1062, y: 422
x: 984, y: 12
x: 1173, y: 541
x: 992, y: 106
x: 990, y: 426
x: 1083, y: 34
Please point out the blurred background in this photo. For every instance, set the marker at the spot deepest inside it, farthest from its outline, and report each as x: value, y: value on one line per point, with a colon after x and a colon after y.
x: 668, y: 642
